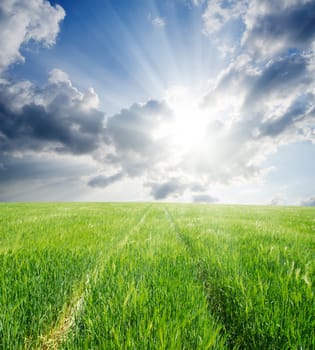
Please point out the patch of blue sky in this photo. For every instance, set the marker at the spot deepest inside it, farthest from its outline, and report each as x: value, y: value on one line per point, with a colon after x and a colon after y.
x: 114, y: 47
x: 293, y: 171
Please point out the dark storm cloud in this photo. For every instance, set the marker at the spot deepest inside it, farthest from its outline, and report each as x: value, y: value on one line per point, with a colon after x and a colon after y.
x: 278, y: 77
x: 282, y: 27
x: 14, y: 169
x: 166, y: 189
x: 204, y: 198
x: 309, y: 202
x: 63, y: 124
x: 296, y: 113
x: 104, y: 181
x: 273, y: 86
x: 33, y: 178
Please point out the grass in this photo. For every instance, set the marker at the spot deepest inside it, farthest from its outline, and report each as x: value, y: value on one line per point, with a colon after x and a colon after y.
x: 156, y: 276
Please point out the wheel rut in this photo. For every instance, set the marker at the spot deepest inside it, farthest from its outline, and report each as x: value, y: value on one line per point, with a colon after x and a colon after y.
x: 72, y: 310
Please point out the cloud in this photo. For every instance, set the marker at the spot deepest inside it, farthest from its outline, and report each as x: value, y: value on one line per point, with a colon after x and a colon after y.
x: 294, y: 116
x: 265, y: 90
x: 268, y: 27
x: 158, y: 22
x: 25, y: 21
x: 134, y: 135
x: 267, y: 105
x: 275, y: 26
x: 44, y: 176
x: 263, y: 85
x: 170, y: 186
x: 42, y: 168
x: 197, y: 2
x: 39, y: 122
x: 309, y: 202
x: 57, y: 76
x: 278, y: 199
x: 280, y: 76
x: 163, y: 190
x: 218, y: 13
x: 265, y: 96
x: 56, y: 117
x: 204, y: 198
x: 104, y: 181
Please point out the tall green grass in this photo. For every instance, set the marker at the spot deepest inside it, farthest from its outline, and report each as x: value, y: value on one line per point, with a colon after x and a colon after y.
x: 34, y: 287
x: 47, y: 253
x: 159, y: 276
x: 257, y: 265
x: 148, y: 297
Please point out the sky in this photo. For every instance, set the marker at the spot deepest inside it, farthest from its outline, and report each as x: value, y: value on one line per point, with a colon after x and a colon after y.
x: 209, y: 101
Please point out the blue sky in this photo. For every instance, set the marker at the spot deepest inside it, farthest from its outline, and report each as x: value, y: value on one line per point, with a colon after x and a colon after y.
x: 181, y: 100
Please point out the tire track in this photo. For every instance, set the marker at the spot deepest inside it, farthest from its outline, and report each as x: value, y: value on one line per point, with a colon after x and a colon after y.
x: 53, y: 339
x: 187, y: 241
x: 199, y: 266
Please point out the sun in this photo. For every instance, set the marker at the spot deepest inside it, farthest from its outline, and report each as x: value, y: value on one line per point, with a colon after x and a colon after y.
x: 188, y: 128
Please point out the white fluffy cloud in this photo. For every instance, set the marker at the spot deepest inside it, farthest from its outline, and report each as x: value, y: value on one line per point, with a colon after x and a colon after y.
x: 25, y: 21
x: 218, y: 13
x: 197, y: 2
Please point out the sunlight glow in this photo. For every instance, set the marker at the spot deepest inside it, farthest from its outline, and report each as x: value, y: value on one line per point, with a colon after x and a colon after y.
x: 188, y: 128
x: 186, y: 131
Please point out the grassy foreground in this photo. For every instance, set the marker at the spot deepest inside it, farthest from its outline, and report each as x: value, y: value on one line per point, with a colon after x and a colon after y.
x: 156, y: 276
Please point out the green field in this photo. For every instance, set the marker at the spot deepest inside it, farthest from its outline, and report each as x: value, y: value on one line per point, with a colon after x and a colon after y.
x: 156, y: 276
